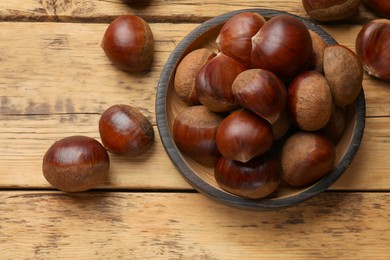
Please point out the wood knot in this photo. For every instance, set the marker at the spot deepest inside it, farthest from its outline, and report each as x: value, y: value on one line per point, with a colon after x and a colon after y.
x: 57, y: 7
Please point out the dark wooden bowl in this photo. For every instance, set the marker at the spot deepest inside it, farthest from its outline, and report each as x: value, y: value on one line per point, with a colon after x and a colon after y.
x: 168, y: 106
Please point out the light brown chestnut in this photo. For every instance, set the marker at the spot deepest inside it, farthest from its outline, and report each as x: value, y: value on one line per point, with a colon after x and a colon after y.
x: 317, y: 59
x: 235, y: 37
x: 255, y: 179
x: 306, y: 157
x: 310, y: 101
x: 213, y: 84
x: 243, y: 135
x: 283, y: 46
x: 186, y: 72
x: 344, y: 73
x: 380, y: 7
x: 334, y: 10
x: 128, y: 42
x: 373, y: 48
x: 194, y: 131
x: 262, y: 92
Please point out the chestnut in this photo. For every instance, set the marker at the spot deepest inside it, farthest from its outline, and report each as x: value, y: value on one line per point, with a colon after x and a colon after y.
x: 317, y: 59
x: 186, y: 72
x: 310, y: 101
x: 243, y: 135
x: 128, y: 42
x: 255, y: 179
x: 261, y: 92
x: 194, y: 133
x: 344, y: 72
x: 125, y: 131
x: 235, y: 37
x: 373, y: 48
x: 214, y: 81
x: 380, y: 7
x: 325, y: 10
x: 306, y: 157
x: 76, y: 163
x: 283, y: 46
x: 336, y: 125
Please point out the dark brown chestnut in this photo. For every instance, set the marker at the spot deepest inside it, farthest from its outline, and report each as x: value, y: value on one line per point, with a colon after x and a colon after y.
x: 283, y: 46
x: 373, y: 48
x: 194, y: 131
x: 310, y: 101
x: 380, y: 7
x: 128, y: 42
x: 261, y: 92
x: 76, y: 163
x: 235, y: 37
x: 124, y: 130
x: 243, y: 135
x: 213, y: 84
x: 306, y: 157
x: 255, y: 179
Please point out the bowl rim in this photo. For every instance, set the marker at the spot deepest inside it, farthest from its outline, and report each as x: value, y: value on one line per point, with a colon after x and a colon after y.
x: 219, y: 195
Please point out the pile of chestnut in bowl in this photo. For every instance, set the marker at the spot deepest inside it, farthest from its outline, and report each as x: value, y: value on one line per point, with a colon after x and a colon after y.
x: 267, y: 107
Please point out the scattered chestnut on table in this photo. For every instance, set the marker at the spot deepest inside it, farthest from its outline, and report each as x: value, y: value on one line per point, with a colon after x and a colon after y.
x: 124, y: 130
x: 128, y: 42
x: 373, y: 48
x: 325, y: 10
x: 254, y: 179
x: 76, y: 163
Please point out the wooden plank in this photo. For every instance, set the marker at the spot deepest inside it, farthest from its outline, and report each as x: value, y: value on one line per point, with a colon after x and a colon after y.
x: 25, y: 139
x: 60, y: 68
x: 41, y: 225
x: 151, y: 10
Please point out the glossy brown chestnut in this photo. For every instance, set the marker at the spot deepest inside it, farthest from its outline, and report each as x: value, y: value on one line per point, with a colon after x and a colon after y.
x: 213, y: 84
x: 373, y: 48
x: 128, y: 42
x: 186, y: 72
x: 76, y: 163
x: 261, y: 92
x: 283, y: 46
x: 344, y: 72
x: 235, y: 37
x: 306, y: 157
x: 243, y: 135
x: 125, y: 131
x: 255, y: 179
x: 194, y: 132
x: 380, y: 7
x: 331, y: 10
x: 310, y: 101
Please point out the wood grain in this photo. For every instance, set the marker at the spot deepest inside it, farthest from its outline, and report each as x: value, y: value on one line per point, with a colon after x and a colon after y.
x: 151, y: 10
x: 60, y: 68
x: 25, y: 139
x: 41, y: 225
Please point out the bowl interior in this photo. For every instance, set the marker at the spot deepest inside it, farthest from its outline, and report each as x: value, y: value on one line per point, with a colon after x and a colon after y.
x: 169, y: 105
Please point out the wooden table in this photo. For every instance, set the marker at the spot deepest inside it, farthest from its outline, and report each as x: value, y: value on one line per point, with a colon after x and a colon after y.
x: 55, y: 81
